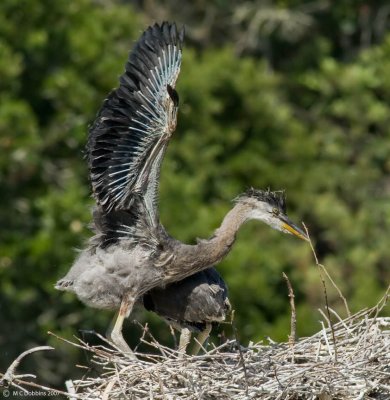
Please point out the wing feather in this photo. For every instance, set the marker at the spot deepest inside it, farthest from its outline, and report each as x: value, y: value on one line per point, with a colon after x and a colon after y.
x: 127, y: 141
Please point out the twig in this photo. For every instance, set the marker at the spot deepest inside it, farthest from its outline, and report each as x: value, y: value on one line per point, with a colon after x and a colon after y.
x: 325, y: 337
x: 329, y: 317
x: 42, y: 387
x: 9, y: 378
x: 258, y: 371
x: 9, y: 375
x: 324, y: 316
x: 293, y: 323
x: 382, y: 302
x: 342, y: 297
x: 339, y: 318
x: 172, y: 332
x: 240, y: 353
x: 337, y: 288
x: 325, y: 293
x: 108, y: 389
x: 261, y: 372
x: 70, y: 388
x: 276, y: 374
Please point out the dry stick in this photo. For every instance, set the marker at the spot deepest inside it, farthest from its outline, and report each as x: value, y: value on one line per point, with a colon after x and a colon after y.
x: 9, y: 375
x: 108, y: 390
x: 10, y: 378
x: 325, y: 293
x: 342, y: 297
x: 272, y: 364
x: 145, y: 328
x: 172, y: 331
x: 293, y: 334
x: 45, y: 388
x: 378, y: 308
x: 70, y: 388
x: 337, y: 288
x: 165, y: 351
x: 240, y: 353
x: 66, y: 340
x: 160, y: 383
x: 382, y: 302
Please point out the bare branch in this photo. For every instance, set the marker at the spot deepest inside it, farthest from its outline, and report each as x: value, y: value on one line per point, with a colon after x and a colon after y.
x: 325, y: 293
x: 9, y: 375
x: 293, y: 323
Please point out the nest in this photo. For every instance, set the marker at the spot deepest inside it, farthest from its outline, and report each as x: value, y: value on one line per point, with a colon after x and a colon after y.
x: 346, y: 360
x: 354, y: 366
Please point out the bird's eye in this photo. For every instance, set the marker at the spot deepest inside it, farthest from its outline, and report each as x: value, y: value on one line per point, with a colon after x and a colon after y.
x: 275, y: 211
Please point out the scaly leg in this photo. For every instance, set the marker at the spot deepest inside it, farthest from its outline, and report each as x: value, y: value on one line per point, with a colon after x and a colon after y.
x: 185, y: 337
x: 201, y: 338
x: 115, y: 335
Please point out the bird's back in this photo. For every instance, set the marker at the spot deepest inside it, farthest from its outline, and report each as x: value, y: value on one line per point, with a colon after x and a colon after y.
x: 192, y: 302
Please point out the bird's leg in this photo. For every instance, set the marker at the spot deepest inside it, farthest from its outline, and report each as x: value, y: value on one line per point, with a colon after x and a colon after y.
x: 185, y: 337
x: 201, y: 338
x: 115, y: 335
x: 172, y: 329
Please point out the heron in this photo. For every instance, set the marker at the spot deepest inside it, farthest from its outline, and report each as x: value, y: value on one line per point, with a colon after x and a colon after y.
x: 192, y: 305
x: 131, y: 254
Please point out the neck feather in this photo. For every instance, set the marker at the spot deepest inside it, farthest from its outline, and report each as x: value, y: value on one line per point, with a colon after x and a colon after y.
x: 225, y: 235
x: 190, y: 259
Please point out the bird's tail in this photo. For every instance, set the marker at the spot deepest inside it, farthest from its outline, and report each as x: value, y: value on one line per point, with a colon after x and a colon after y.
x: 64, y: 285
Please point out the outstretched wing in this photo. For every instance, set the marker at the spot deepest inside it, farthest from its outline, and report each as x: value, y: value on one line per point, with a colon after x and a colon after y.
x: 128, y: 139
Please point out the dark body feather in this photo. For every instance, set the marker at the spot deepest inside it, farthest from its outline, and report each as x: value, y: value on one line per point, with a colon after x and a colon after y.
x: 192, y: 302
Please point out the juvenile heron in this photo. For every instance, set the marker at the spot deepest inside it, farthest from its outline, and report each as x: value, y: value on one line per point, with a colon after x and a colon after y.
x: 191, y: 305
x: 131, y: 253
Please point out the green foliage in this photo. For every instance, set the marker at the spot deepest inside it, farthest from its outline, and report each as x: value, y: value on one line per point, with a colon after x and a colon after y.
x: 319, y: 129
x: 58, y: 60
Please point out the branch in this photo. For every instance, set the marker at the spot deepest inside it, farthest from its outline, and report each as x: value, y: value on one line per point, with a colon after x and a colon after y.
x: 325, y: 293
x: 9, y: 375
x: 293, y: 335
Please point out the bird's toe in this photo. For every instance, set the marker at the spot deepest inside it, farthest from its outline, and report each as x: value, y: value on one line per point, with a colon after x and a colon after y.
x: 120, y: 343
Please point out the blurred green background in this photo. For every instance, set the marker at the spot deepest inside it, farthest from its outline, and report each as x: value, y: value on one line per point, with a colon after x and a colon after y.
x: 288, y: 94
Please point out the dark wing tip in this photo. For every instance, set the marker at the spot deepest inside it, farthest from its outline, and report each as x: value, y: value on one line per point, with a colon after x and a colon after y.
x: 166, y: 31
x: 182, y: 34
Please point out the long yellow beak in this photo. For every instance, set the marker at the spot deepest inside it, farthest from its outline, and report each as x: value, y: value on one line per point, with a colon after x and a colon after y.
x: 295, y: 230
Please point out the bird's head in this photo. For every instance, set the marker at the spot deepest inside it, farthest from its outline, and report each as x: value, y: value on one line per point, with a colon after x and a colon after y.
x: 269, y: 207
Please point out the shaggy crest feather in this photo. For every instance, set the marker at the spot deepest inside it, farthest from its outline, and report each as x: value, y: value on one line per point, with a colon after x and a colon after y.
x: 276, y: 199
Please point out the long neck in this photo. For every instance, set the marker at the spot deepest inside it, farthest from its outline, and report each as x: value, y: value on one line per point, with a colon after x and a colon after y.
x: 190, y: 259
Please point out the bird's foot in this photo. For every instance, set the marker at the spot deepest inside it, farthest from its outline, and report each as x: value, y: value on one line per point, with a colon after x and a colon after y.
x: 185, y: 337
x: 201, y: 340
x: 120, y: 343
x: 115, y: 334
